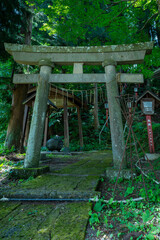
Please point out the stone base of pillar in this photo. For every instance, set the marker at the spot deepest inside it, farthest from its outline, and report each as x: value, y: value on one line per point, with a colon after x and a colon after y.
x: 112, y: 173
x: 25, y: 173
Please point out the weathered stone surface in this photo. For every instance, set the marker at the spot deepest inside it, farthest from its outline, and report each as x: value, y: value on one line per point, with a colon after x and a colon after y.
x: 56, y: 220
x: 45, y: 221
x: 38, y: 118
x: 9, y: 47
x: 78, y: 180
x: 25, y: 173
x: 113, y: 173
x: 152, y: 156
x: 55, y: 143
x: 7, y: 208
x: 122, y: 54
x: 116, y: 125
x: 78, y: 78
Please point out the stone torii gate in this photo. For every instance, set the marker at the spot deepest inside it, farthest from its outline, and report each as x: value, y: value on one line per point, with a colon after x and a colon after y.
x: 47, y: 57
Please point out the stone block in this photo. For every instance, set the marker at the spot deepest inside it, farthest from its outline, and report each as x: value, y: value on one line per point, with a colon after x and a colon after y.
x: 112, y: 173
x: 25, y: 173
x: 152, y: 156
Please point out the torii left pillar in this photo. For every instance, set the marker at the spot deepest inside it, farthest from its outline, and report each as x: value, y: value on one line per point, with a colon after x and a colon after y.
x: 38, y: 117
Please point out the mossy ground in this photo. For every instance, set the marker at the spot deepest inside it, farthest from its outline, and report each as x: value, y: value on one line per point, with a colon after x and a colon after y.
x: 44, y: 221
x: 55, y: 221
x: 81, y: 177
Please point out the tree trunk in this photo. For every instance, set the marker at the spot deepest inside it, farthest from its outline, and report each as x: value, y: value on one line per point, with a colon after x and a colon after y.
x: 14, y: 132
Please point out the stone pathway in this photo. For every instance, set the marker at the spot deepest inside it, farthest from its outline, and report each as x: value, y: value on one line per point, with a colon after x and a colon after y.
x: 58, y: 220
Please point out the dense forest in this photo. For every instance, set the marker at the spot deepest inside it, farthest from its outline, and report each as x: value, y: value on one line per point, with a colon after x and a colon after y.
x: 77, y: 23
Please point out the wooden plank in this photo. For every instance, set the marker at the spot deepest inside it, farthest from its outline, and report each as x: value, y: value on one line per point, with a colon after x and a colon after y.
x: 78, y: 78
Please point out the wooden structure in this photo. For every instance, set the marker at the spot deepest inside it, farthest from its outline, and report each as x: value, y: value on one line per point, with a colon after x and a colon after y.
x: 148, y: 94
x: 148, y: 102
x: 47, y: 57
x: 58, y: 98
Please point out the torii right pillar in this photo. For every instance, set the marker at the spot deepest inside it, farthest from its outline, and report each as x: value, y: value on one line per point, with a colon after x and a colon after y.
x: 116, y: 125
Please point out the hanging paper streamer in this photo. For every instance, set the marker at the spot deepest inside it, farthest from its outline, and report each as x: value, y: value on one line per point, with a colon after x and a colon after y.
x: 86, y: 95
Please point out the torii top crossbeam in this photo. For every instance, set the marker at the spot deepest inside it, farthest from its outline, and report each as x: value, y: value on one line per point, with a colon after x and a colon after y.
x: 91, y: 55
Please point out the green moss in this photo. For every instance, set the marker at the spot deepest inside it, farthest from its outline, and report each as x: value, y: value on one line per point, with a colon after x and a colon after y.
x: 23, y: 222
x: 52, y: 155
x: 94, y: 163
x: 7, y: 208
x: 25, y: 173
x: 45, y: 221
x: 72, y: 223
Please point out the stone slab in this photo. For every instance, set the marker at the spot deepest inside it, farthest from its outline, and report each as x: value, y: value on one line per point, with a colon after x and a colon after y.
x: 122, y: 54
x: 25, y: 173
x: 77, y: 78
x: 9, y: 47
x: 77, y: 180
x: 112, y: 173
x: 152, y: 156
x: 44, y: 221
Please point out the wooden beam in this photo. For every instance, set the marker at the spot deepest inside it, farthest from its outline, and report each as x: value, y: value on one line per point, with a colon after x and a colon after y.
x: 78, y: 78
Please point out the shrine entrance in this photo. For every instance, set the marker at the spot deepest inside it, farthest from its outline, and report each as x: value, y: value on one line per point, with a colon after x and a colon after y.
x: 48, y: 57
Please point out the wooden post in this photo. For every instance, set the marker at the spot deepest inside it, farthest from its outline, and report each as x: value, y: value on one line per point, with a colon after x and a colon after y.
x: 66, y: 125
x: 96, y: 120
x: 45, y: 131
x: 80, y: 128
x: 25, y: 117
x: 27, y: 131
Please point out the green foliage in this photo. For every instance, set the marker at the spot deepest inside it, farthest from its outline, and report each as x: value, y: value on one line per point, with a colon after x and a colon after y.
x: 98, y: 206
x: 5, y: 96
x: 94, y: 218
x: 147, y: 216
x: 129, y: 191
x: 5, y: 151
x: 131, y: 216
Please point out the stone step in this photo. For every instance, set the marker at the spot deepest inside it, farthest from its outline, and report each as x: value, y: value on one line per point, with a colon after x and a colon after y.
x: 56, y: 221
